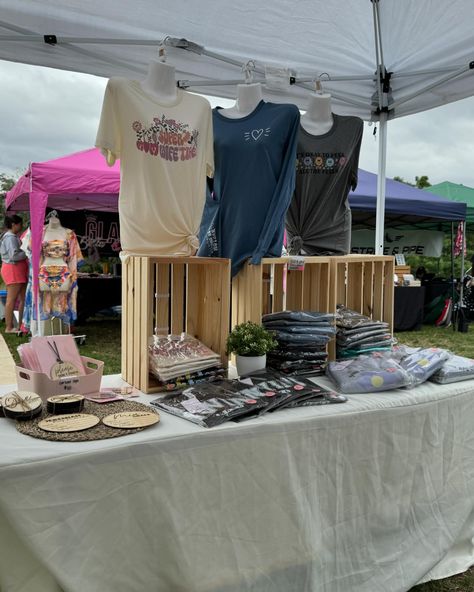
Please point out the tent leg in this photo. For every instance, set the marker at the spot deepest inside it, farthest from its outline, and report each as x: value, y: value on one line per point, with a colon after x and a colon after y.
x: 452, y: 274
x: 381, y: 183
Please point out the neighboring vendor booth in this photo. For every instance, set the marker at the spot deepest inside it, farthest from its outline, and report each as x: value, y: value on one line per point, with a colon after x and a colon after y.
x: 83, y: 187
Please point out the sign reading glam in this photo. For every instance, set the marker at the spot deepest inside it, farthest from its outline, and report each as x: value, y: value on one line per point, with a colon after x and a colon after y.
x: 94, y: 235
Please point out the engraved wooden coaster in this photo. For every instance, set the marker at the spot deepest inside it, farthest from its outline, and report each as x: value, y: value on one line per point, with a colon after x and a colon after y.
x: 97, y: 432
x: 131, y: 419
x: 73, y: 422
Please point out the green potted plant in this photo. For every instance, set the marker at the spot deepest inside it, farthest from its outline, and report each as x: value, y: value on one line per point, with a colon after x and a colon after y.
x: 250, y: 343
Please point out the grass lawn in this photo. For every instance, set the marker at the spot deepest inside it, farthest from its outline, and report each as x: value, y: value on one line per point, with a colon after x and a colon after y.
x: 103, y: 343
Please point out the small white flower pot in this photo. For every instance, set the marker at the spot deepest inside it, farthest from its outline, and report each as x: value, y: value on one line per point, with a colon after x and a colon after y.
x: 248, y: 364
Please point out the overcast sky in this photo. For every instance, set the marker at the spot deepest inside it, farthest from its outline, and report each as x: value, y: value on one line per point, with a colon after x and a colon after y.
x: 47, y: 113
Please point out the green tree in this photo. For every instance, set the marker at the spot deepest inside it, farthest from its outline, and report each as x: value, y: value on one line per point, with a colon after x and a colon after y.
x: 6, y: 183
x: 402, y: 180
x: 422, y: 182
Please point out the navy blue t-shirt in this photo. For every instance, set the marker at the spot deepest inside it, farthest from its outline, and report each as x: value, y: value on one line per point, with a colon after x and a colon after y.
x: 254, y: 178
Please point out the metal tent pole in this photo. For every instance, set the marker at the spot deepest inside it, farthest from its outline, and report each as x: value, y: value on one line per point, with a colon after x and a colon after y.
x: 381, y: 185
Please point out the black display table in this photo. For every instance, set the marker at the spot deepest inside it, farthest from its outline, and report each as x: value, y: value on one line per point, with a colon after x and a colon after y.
x: 408, y: 308
x: 96, y: 293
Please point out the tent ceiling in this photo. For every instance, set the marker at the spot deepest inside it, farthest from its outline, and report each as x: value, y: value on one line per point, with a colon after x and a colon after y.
x: 309, y: 37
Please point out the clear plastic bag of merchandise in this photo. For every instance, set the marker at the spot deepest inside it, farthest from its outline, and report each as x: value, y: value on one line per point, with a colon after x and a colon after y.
x: 351, y: 353
x: 279, y: 390
x: 210, y: 404
x: 455, y: 369
x: 350, y: 319
x: 298, y: 339
x: 363, y: 337
x: 286, y: 354
x: 361, y: 347
x: 423, y: 363
x: 173, y: 355
x: 368, y: 374
x: 298, y: 367
x: 302, y: 329
x: 370, y: 326
x: 298, y: 348
x: 298, y: 316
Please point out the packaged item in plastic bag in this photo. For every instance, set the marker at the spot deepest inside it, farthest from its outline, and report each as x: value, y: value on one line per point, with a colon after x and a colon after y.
x: 368, y: 374
x: 298, y: 316
x: 423, y: 363
x: 171, y: 356
x: 454, y: 369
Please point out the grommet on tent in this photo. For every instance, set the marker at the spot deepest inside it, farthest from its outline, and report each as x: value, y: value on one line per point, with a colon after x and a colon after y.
x: 50, y: 39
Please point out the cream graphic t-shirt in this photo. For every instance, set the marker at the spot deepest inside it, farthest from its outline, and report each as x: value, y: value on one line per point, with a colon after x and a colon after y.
x: 165, y: 153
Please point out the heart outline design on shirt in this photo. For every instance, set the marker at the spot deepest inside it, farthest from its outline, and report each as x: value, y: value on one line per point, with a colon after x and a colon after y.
x: 256, y: 134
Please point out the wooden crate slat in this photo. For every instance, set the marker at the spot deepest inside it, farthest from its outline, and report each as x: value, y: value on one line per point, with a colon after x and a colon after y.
x: 368, y: 287
x: 162, y: 298
x: 278, y: 301
x: 177, y: 301
x: 294, y: 290
x: 388, y: 294
x: 136, y: 319
x: 354, y: 285
x: 266, y: 284
x: 378, y: 290
x: 145, y: 320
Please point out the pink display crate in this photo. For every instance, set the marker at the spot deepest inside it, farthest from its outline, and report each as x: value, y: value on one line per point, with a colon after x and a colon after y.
x: 37, y: 382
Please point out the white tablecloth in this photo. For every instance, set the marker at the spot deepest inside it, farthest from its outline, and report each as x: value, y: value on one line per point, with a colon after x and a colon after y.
x: 373, y: 495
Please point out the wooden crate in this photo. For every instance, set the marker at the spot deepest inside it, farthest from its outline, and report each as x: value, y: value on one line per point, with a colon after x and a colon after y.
x: 400, y: 270
x: 361, y: 282
x: 272, y: 286
x: 162, y: 295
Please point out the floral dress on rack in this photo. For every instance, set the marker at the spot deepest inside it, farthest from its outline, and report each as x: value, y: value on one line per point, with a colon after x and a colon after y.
x: 57, y: 279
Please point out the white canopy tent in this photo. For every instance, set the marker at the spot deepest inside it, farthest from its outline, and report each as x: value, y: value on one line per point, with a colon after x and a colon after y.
x: 379, y: 59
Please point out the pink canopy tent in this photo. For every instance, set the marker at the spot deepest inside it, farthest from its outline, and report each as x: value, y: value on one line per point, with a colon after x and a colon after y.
x: 79, y: 181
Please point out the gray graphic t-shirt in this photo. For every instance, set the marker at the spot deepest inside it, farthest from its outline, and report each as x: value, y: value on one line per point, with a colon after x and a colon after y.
x: 318, y: 221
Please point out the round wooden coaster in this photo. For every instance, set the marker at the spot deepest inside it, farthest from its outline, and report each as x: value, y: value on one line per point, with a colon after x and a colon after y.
x: 131, y: 419
x: 21, y: 405
x: 61, y: 404
x: 73, y: 422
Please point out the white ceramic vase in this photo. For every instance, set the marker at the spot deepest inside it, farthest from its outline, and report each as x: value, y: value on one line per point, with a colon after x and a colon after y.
x: 248, y: 364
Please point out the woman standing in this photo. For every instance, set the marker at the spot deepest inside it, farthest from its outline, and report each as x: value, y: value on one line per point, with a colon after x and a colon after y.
x: 14, y: 270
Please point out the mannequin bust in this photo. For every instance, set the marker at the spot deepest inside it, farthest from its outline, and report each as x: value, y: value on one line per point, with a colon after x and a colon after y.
x: 160, y: 82
x: 53, y: 230
x: 318, y: 119
x: 248, y: 97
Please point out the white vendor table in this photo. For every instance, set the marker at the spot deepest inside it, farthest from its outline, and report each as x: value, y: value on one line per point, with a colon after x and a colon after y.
x: 373, y: 495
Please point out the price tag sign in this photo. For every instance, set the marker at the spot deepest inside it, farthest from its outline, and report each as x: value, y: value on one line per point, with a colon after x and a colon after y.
x: 296, y: 264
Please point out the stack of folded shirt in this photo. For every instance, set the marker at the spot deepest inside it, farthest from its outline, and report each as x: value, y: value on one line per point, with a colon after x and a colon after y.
x: 302, y: 338
x: 182, y: 359
x: 358, y: 334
